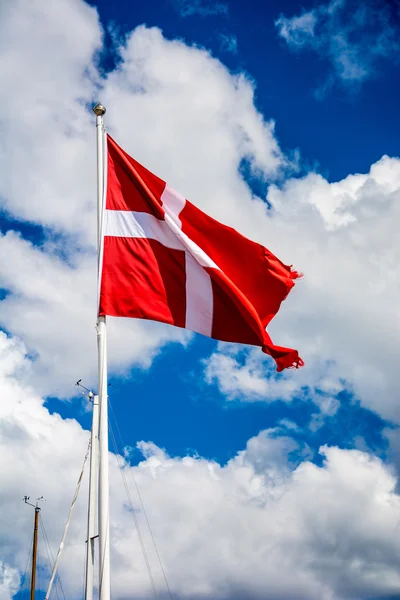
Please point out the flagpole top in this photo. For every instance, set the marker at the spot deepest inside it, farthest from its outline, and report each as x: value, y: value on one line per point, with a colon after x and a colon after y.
x: 99, y: 109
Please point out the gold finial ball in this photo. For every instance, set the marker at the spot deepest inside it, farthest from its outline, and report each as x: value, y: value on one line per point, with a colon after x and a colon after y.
x: 99, y: 109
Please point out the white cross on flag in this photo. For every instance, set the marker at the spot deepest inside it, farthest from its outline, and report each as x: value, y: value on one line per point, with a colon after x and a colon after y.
x: 164, y: 259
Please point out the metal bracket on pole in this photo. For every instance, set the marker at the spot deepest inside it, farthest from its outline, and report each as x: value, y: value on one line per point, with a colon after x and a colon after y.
x: 79, y: 384
x: 36, y: 506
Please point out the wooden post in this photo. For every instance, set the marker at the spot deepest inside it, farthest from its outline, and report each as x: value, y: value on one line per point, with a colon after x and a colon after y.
x: 35, y: 541
x: 34, y: 553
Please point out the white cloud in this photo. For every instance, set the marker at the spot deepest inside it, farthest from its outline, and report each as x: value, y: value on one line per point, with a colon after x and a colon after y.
x: 51, y: 307
x: 344, y: 235
x: 255, y: 529
x: 228, y: 42
x: 9, y: 582
x: 258, y: 527
x: 41, y: 455
x: 166, y: 88
x: 352, y: 40
x: 297, y: 31
x: 342, y: 315
x: 200, y: 8
x: 166, y: 92
x: 47, y: 75
x: 248, y: 376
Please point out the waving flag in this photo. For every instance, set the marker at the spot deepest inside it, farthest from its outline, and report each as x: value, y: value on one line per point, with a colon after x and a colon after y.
x: 166, y: 260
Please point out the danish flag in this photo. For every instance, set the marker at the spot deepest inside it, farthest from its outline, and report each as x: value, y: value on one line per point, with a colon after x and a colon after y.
x: 164, y: 259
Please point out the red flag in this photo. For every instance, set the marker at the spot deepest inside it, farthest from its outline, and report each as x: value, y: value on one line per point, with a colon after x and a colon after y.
x: 166, y: 260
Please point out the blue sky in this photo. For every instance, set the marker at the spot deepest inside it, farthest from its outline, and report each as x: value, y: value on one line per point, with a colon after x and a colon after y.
x: 274, y: 118
x: 350, y: 129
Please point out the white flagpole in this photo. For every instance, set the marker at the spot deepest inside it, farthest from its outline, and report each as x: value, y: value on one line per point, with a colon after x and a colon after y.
x: 103, y: 513
x: 94, y: 450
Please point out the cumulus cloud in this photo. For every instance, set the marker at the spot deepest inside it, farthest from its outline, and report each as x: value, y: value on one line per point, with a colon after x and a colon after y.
x: 246, y: 374
x: 352, y: 37
x: 9, y: 582
x: 351, y: 274
x: 50, y: 140
x: 268, y: 524
x: 342, y: 315
x: 51, y: 306
x: 47, y: 157
x: 41, y: 456
x: 165, y: 90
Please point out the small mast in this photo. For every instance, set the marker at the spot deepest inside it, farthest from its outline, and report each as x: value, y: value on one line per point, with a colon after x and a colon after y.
x: 35, y: 540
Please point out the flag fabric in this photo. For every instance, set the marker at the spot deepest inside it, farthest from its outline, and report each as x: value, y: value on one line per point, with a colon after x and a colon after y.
x: 164, y: 259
